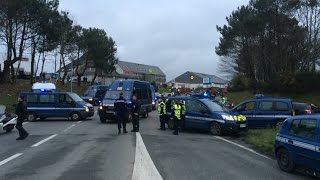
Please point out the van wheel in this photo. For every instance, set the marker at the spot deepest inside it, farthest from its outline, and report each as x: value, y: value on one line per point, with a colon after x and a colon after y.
x: 278, y: 123
x: 75, y: 116
x: 32, y: 116
x: 215, y: 129
x: 284, y: 160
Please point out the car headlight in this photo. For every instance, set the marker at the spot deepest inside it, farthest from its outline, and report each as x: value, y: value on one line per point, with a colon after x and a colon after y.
x: 153, y: 103
x: 86, y: 109
x: 100, y: 107
x: 227, y: 117
x: 90, y: 99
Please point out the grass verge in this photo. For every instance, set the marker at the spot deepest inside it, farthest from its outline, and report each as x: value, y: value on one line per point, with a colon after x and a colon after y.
x: 262, y: 139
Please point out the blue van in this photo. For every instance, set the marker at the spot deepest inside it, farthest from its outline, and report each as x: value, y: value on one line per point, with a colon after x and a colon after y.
x: 56, y: 104
x: 265, y: 111
x: 95, y: 94
x: 208, y: 115
x: 129, y: 88
x: 298, y: 144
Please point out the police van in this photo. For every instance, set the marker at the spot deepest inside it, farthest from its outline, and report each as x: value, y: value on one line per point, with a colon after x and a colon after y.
x: 298, y: 144
x: 205, y: 114
x: 56, y: 104
x: 95, y: 94
x: 129, y: 88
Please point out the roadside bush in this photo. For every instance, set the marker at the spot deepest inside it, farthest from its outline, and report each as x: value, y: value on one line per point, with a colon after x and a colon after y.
x: 238, y: 83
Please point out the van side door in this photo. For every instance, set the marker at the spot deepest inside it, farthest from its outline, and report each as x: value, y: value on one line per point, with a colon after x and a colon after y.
x: 46, y: 105
x: 65, y: 105
x: 265, y: 114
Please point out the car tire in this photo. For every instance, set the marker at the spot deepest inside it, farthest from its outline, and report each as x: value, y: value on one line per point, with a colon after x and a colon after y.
x: 31, y: 116
x: 9, y: 130
x: 284, y: 160
x: 215, y: 129
x: 75, y: 116
x: 145, y: 114
x: 278, y: 124
x: 42, y: 119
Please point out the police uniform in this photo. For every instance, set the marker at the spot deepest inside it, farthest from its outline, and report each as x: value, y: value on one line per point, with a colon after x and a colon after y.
x: 176, y: 115
x: 135, y: 111
x: 121, y: 110
x: 183, y: 115
x: 162, y: 113
x: 21, y: 111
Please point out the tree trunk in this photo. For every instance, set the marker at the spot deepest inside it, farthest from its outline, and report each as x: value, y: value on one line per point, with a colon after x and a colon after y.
x: 37, y: 68
x: 43, y: 61
x: 95, y: 76
x: 33, y: 56
x: 79, y: 80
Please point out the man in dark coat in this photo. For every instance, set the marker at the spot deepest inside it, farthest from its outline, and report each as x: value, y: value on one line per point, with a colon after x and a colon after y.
x: 121, y: 110
x: 135, y: 111
x: 21, y: 111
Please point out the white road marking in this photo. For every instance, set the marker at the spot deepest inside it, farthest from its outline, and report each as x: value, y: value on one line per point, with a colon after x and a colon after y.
x: 144, y: 168
x: 10, y: 158
x: 45, y: 140
x: 79, y: 122
x: 242, y: 147
x: 68, y: 128
x: 25, y: 123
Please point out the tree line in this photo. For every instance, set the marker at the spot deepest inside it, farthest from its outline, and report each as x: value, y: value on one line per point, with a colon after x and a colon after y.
x: 38, y: 28
x: 272, y: 44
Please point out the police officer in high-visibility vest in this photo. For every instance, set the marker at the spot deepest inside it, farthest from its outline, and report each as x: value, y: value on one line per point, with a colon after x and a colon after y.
x: 162, y: 114
x: 183, y: 116
x: 176, y: 116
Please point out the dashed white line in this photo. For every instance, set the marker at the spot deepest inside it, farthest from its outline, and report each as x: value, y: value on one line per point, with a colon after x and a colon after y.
x: 68, y: 128
x: 242, y: 147
x: 10, y: 158
x: 45, y: 140
x: 144, y: 168
x: 79, y: 122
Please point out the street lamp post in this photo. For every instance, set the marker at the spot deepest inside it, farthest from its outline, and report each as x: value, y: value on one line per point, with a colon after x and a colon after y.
x: 71, y: 75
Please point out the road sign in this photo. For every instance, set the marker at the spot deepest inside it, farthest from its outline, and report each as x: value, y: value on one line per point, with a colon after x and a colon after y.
x: 206, y: 80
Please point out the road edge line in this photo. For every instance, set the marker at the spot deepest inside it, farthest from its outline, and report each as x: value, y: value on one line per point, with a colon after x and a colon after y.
x: 3, y: 162
x: 144, y: 168
x: 243, y: 147
x: 44, y: 140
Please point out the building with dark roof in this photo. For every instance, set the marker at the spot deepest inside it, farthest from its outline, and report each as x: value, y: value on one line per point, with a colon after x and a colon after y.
x: 123, y: 70
x: 194, y: 80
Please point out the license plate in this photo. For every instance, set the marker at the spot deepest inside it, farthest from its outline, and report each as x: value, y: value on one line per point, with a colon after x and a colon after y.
x: 243, y: 125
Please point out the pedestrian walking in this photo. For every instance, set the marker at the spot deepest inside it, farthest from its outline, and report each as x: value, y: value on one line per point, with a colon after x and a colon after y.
x: 121, y: 112
x: 135, y: 111
x: 162, y: 114
x: 176, y: 115
x: 21, y: 111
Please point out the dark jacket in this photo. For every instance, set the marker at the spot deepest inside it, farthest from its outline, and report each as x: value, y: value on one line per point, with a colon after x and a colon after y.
x: 21, y: 110
x: 135, y: 108
x: 121, y: 107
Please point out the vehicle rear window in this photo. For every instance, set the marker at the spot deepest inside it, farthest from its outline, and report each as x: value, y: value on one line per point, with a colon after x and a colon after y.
x: 305, y: 128
x: 281, y: 106
x: 266, y: 106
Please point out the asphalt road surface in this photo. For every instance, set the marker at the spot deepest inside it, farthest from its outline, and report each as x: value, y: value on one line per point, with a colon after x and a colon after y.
x: 89, y: 150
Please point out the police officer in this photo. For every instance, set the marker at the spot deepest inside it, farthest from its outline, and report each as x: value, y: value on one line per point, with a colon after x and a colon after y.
x: 135, y: 111
x: 162, y: 114
x: 121, y: 110
x: 176, y: 115
x: 183, y: 116
x: 21, y: 111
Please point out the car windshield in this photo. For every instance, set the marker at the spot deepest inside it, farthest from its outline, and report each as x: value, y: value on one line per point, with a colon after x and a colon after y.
x: 75, y: 97
x: 113, y: 95
x: 215, y: 106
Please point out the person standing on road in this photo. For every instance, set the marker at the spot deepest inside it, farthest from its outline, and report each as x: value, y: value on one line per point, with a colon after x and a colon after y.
x: 162, y: 113
x: 183, y: 116
x: 121, y: 112
x: 176, y: 115
x: 21, y: 111
x: 135, y: 111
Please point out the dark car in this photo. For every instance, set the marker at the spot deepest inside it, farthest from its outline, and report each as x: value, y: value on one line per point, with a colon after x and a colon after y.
x: 95, y: 94
x: 298, y: 144
x: 302, y: 108
x: 265, y: 111
x: 208, y: 115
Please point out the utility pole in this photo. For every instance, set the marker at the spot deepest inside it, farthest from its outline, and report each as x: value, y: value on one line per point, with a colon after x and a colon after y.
x: 71, y: 73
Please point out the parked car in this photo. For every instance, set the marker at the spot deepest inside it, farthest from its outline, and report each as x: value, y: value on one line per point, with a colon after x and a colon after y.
x: 315, y: 108
x: 265, y: 111
x: 302, y: 108
x: 95, y: 94
x: 56, y: 104
x: 208, y: 115
x: 298, y: 144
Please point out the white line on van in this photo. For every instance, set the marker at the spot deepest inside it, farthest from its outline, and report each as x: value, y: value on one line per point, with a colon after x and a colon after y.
x: 242, y: 147
x: 10, y: 158
x: 68, y: 128
x: 45, y: 140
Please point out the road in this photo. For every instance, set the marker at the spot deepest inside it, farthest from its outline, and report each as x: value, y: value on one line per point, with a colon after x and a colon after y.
x: 89, y: 150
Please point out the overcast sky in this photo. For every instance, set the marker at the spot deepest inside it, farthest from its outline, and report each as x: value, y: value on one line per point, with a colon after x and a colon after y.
x: 176, y: 35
